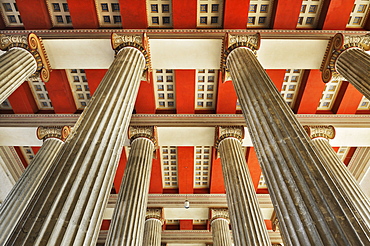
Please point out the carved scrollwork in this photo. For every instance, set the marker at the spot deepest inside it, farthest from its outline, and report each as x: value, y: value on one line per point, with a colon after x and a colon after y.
x: 154, y: 213
x: 338, y: 44
x: 148, y: 132
x: 228, y: 132
x: 327, y: 132
x: 59, y: 132
x: 219, y: 213
x: 10, y: 41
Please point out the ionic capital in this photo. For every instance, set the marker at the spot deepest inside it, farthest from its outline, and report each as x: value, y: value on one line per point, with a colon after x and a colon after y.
x: 336, y: 46
x: 148, y: 132
x: 138, y: 41
x: 219, y: 213
x: 313, y: 132
x: 228, y: 132
x: 34, y: 45
x: 59, y: 132
x: 154, y: 213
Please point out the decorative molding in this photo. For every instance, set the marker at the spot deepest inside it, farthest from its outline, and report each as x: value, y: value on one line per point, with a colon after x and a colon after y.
x: 336, y: 46
x: 327, y: 132
x: 12, y: 163
x: 219, y: 213
x: 154, y: 213
x: 359, y: 163
x: 148, y: 132
x: 9, y: 41
x: 59, y: 132
x: 138, y: 41
x: 223, y: 132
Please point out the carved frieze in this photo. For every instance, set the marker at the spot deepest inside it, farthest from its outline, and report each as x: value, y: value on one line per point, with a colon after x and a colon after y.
x: 219, y: 213
x: 338, y: 44
x: 10, y: 41
x: 223, y: 132
x: 143, y: 132
x: 60, y: 132
x: 327, y: 132
x: 154, y: 213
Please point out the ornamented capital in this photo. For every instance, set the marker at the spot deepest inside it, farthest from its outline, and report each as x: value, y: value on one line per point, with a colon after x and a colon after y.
x: 34, y: 45
x: 219, y: 213
x: 148, y: 132
x: 338, y: 44
x: 154, y: 213
x: 59, y: 132
x: 327, y: 132
x: 138, y: 41
x: 228, y: 132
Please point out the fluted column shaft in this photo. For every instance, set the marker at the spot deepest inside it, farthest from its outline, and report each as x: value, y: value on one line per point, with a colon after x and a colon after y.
x: 309, y: 206
x: 221, y: 232
x: 354, y: 65
x: 152, y: 232
x: 354, y: 195
x: 18, y: 198
x: 67, y: 209
x: 16, y: 65
x: 245, y: 215
x: 127, y: 226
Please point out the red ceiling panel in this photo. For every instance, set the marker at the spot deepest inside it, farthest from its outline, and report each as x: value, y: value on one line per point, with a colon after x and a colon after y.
x: 35, y: 14
x: 83, y: 19
x: 287, y: 13
x: 185, y: 164
x: 145, y: 101
x: 226, y: 97
x: 350, y: 101
x: 236, y: 14
x: 336, y: 15
x: 94, y: 77
x: 185, y: 91
x: 184, y: 14
x: 277, y: 76
x: 133, y: 14
x: 253, y: 166
x: 156, y: 185
x: 216, y: 183
x: 22, y: 100
x: 120, y: 171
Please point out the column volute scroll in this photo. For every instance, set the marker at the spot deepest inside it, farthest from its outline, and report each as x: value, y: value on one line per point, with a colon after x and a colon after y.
x: 58, y: 132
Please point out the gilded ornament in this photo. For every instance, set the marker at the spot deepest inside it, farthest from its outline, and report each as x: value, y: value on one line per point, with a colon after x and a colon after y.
x: 59, y: 132
x: 327, y: 132
x: 228, y: 132
x: 148, y: 132
x: 219, y: 213
x: 154, y: 213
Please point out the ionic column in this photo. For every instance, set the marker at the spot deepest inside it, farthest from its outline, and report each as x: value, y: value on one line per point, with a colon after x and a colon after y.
x: 24, y: 57
x: 309, y: 205
x: 352, y: 193
x: 246, y: 218
x: 127, y: 226
x: 68, y: 206
x: 346, y: 56
x: 18, y: 198
x: 220, y: 227
x: 153, y: 227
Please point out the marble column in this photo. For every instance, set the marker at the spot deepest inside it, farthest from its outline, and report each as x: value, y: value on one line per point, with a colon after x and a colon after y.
x: 18, y: 198
x: 68, y: 206
x: 24, y: 57
x: 346, y: 56
x: 246, y: 218
x: 350, y: 189
x: 308, y: 203
x: 153, y: 227
x: 127, y: 226
x: 220, y: 227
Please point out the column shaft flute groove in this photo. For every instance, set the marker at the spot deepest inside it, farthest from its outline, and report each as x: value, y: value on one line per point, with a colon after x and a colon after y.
x: 221, y: 232
x: 246, y: 218
x: 309, y: 206
x: 68, y: 207
x: 127, y: 227
x: 152, y: 232
x: 354, y: 65
x: 16, y: 65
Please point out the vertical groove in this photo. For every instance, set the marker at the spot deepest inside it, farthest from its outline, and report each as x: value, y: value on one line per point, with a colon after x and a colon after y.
x: 133, y: 196
x: 246, y: 218
x: 354, y: 65
x: 308, y: 204
x: 221, y: 232
x: 152, y: 232
x: 16, y: 65
x: 67, y: 208
x: 17, y: 200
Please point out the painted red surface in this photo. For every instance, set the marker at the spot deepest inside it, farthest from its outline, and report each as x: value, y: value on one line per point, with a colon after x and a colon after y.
x: 217, y: 185
x: 145, y: 101
x: 133, y: 14
x: 120, y: 171
x: 185, y: 91
x: 186, y: 224
x: 350, y: 102
x: 185, y: 165
x: 312, y: 93
x: 86, y: 19
x: 2, y: 23
x: 94, y: 77
x: 60, y: 93
x: 226, y: 97
x: 156, y: 186
x: 268, y: 224
x: 349, y: 156
x: 277, y: 76
x: 236, y: 14
x: 22, y: 100
x: 105, y: 225
x: 184, y: 14
x: 333, y: 20
x: 253, y: 166
x: 287, y: 13
x: 34, y: 14
x: 35, y: 149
